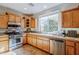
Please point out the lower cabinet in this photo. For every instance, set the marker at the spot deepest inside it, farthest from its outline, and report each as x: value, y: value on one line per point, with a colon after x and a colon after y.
x: 52, y: 46
x: 40, y: 43
x: 70, y: 50
x: 29, y: 40
x: 4, y: 46
x: 70, y: 47
x: 34, y: 40
x: 77, y: 48
x: 46, y: 45
x: 24, y: 40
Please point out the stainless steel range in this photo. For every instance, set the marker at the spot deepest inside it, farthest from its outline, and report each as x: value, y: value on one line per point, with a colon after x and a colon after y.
x: 15, y: 36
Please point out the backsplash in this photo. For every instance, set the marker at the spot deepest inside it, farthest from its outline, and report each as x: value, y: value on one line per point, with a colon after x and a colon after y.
x: 66, y: 29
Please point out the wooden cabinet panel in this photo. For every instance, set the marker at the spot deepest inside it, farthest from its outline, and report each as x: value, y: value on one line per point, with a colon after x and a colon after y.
x: 39, y: 43
x: 12, y: 18
x: 70, y: 43
x: 70, y: 50
x: 67, y: 19
x: 70, y: 47
x: 29, y: 40
x: 33, y: 23
x: 52, y: 46
x: 4, y: 46
x: 4, y: 21
x: 18, y: 19
x: 34, y: 40
x: 76, y: 18
x: 77, y: 48
x: 24, y: 40
x: 46, y: 45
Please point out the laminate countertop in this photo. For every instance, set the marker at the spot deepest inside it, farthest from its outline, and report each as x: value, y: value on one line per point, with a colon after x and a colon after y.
x: 50, y: 36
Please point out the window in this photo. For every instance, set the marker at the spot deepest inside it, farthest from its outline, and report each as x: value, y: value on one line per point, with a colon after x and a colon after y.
x: 49, y: 23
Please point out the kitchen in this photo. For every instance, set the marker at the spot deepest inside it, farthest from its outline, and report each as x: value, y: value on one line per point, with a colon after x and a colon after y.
x: 39, y: 28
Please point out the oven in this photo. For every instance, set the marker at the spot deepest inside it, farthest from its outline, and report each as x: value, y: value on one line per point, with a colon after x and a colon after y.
x: 15, y: 41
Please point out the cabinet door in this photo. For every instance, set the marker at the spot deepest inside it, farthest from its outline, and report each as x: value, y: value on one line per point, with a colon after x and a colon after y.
x: 12, y: 18
x: 70, y: 50
x: 46, y: 45
x: 34, y: 40
x: 18, y: 19
x: 4, y: 46
x: 52, y: 46
x: 4, y: 21
x: 76, y: 18
x: 77, y: 48
x: 33, y: 23
x: 67, y: 19
x: 39, y: 43
x: 29, y: 40
x: 24, y: 40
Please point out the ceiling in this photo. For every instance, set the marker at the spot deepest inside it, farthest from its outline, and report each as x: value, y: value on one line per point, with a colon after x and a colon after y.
x: 29, y: 8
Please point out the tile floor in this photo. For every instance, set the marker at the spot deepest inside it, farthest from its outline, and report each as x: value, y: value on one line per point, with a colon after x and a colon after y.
x: 26, y: 50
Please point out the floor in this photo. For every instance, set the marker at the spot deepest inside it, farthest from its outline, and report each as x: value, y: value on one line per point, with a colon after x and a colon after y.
x: 26, y: 50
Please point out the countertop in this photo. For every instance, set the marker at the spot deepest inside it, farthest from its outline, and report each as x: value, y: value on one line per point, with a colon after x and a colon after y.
x: 50, y: 36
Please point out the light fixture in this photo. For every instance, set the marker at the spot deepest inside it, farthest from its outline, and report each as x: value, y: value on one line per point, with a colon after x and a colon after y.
x: 25, y: 8
x: 45, y: 6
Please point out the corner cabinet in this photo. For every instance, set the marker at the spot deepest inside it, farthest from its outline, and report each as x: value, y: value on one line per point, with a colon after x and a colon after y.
x: 70, y: 18
x: 4, y: 21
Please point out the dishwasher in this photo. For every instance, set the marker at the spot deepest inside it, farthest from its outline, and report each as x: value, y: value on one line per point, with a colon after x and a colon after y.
x: 59, y: 47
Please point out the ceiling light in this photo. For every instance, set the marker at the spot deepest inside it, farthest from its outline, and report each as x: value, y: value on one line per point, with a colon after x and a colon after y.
x: 45, y: 6
x: 25, y: 8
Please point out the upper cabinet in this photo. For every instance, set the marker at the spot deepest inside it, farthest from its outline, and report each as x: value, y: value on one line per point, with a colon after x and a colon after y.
x: 4, y: 21
x: 30, y: 22
x: 33, y: 23
x: 12, y: 18
x: 18, y: 19
x: 76, y: 18
x: 67, y: 19
x: 70, y: 18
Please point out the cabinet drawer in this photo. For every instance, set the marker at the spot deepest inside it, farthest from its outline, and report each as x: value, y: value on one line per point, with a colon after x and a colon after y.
x: 3, y: 39
x: 70, y: 43
x: 4, y: 46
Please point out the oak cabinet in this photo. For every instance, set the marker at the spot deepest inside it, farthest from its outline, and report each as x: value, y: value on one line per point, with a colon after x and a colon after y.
x: 40, y: 43
x: 18, y: 19
x: 34, y: 41
x: 70, y: 18
x: 12, y: 18
x: 67, y: 19
x: 29, y: 40
x: 30, y: 22
x: 4, y: 46
x: 46, y: 45
x: 70, y: 47
x: 4, y: 43
x: 24, y: 40
x: 76, y: 18
x: 4, y: 21
x: 70, y: 50
x: 77, y: 48
x: 33, y: 22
